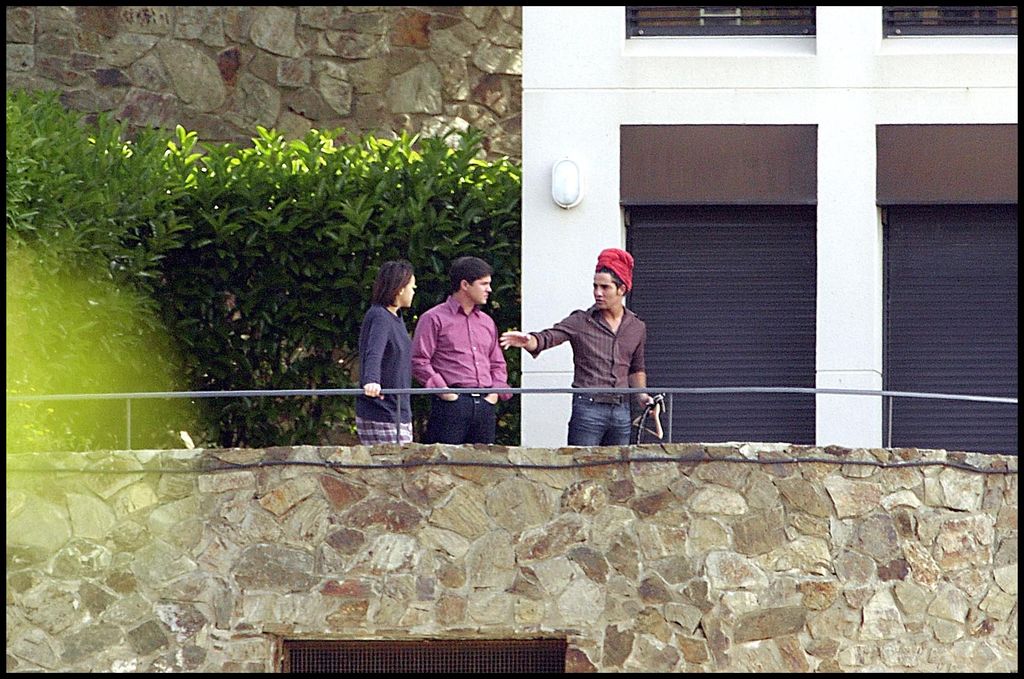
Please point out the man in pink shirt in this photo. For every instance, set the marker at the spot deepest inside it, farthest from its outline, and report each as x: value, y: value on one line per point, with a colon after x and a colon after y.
x: 456, y: 345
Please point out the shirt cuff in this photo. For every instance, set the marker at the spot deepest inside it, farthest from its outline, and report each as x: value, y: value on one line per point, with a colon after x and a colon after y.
x: 536, y: 352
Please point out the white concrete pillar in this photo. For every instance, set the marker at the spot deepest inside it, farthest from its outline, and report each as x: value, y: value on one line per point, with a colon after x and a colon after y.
x: 849, y: 315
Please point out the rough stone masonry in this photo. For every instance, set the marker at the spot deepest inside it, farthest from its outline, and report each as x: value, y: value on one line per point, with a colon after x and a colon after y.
x: 711, y: 565
x: 223, y: 70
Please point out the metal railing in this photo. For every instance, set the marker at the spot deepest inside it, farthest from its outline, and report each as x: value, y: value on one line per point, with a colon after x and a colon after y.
x: 669, y: 392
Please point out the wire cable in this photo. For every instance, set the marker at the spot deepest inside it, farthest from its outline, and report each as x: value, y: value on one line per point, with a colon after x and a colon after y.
x: 576, y: 464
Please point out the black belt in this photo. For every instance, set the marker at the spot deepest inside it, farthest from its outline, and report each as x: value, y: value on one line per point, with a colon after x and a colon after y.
x: 456, y: 386
x: 610, y: 399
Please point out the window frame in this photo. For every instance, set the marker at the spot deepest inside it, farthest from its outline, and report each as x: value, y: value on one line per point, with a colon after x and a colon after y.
x: 944, y: 23
x: 779, y: 23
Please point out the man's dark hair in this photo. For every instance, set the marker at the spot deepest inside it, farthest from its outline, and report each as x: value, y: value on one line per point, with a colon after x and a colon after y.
x: 468, y: 269
x: 392, y: 277
x: 615, y: 277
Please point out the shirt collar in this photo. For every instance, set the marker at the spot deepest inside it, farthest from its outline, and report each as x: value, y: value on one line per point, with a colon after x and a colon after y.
x: 456, y: 308
x: 595, y: 313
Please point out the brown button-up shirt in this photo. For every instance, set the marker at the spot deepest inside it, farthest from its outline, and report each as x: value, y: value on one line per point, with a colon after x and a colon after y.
x: 602, y: 358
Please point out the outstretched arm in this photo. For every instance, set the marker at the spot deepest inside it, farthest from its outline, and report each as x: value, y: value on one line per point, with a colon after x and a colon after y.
x: 515, y: 338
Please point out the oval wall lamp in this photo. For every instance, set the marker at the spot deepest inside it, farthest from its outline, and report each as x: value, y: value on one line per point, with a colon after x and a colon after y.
x: 566, y: 183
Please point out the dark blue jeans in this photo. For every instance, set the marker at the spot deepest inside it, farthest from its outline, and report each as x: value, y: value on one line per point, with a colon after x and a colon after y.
x: 470, y: 419
x: 598, y: 424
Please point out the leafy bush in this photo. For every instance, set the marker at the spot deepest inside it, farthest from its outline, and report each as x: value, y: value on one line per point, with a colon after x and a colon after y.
x: 89, y: 217
x: 258, y: 261
x: 285, y: 239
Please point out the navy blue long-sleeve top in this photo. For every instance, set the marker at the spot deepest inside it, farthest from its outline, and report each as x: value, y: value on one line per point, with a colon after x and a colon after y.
x: 385, y: 358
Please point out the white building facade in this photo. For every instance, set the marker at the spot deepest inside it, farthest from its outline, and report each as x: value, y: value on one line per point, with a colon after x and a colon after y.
x: 585, y: 83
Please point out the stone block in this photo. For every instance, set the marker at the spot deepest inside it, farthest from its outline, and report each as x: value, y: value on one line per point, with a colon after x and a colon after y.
x: 651, y: 621
x: 684, y: 615
x: 658, y: 541
x: 491, y: 607
x: 718, y: 500
x: 147, y: 638
x: 273, y: 29
x: 654, y: 590
x: 274, y: 567
x: 395, y: 516
x: 35, y: 646
x: 581, y: 602
x: 961, y: 490
x: 81, y: 558
x: 90, y: 641
x: 133, y: 498
x: 517, y: 504
x: 490, y: 561
x: 591, y: 562
x: 491, y: 58
x: 1006, y: 578
x: 576, y: 660
x: 38, y: 524
x: 555, y: 478
x: 794, y: 658
x: 881, y: 618
x: 221, y: 482
x: 651, y: 655
x: 805, y: 554
x: 617, y: 646
x: 195, y: 76
x: 552, y: 539
x: 590, y: 496
x: 949, y: 604
x: 875, y: 535
x: 281, y: 498
x: 760, y: 533
x: 998, y: 604
x: 818, y: 595
x: 853, y: 498
x: 464, y: 513
x: 769, y: 623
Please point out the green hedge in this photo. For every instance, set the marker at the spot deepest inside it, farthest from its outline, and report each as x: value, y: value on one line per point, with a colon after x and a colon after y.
x: 259, y: 261
x: 89, y: 218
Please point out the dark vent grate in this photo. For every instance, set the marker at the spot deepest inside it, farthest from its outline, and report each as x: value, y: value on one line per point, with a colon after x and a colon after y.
x: 428, y: 655
x: 950, y: 20
x: 658, y: 20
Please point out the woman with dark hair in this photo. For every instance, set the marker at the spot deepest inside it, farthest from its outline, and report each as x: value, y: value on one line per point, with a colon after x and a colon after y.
x: 385, y: 358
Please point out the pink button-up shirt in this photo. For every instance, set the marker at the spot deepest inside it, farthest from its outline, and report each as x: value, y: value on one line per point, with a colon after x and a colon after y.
x: 453, y: 349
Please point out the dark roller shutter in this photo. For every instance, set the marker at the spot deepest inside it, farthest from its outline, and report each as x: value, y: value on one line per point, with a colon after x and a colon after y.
x: 951, y: 324
x: 728, y: 295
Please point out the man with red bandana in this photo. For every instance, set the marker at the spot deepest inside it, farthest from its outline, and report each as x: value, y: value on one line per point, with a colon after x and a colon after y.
x: 608, y: 351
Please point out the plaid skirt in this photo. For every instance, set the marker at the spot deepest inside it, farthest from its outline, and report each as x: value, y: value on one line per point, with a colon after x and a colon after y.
x: 372, y: 432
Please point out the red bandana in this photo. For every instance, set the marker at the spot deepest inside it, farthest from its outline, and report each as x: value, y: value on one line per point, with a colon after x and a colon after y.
x: 619, y: 261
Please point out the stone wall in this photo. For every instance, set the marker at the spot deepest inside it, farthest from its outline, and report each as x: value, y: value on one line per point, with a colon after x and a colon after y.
x: 153, y: 561
x: 222, y: 70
